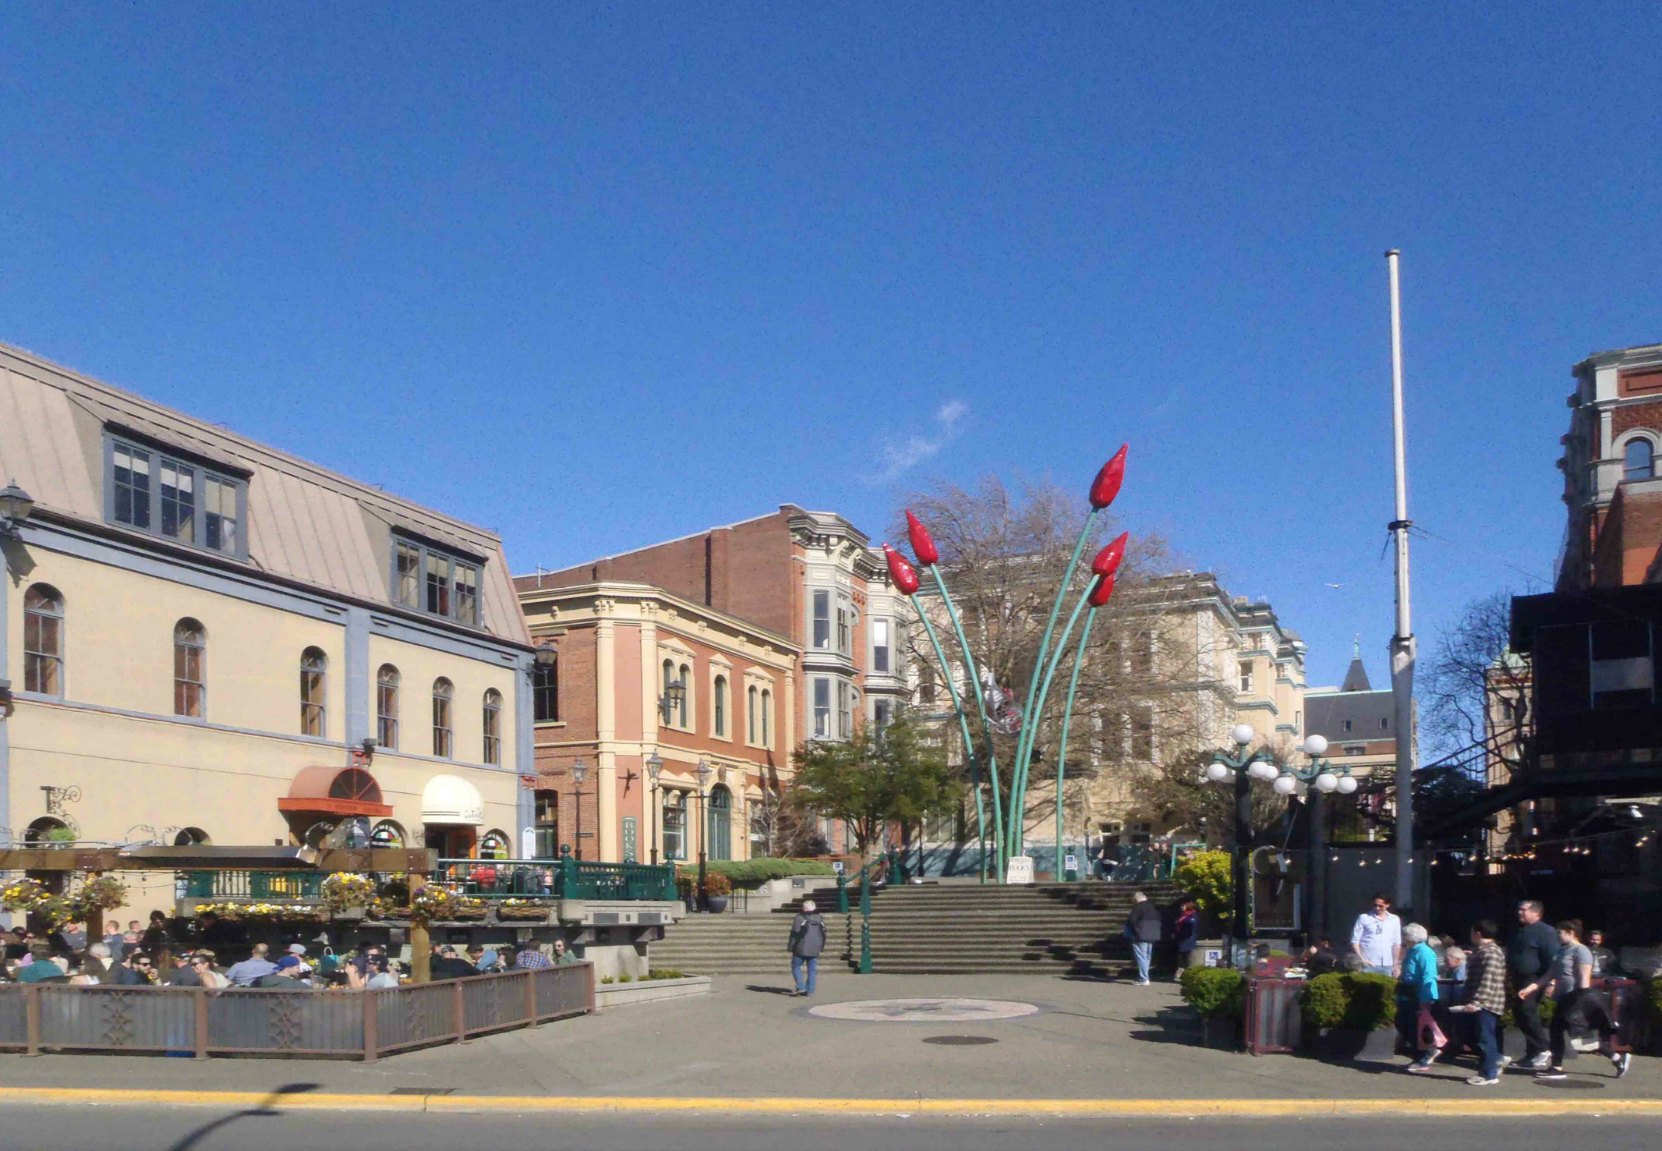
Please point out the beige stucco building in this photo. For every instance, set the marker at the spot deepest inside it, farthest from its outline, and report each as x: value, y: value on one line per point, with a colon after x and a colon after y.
x: 206, y: 639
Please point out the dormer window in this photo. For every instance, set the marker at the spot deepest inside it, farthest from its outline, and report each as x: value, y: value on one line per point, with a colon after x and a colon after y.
x: 432, y: 580
x: 165, y: 494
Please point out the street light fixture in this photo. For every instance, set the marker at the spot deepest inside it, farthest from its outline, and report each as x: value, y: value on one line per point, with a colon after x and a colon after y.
x: 654, y: 769
x: 675, y: 694
x: 705, y: 771
x: 579, y: 772
x: 16, y: 505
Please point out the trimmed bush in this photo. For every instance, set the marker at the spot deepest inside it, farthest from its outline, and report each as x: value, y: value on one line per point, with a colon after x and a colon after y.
x: 1214, y: 992
x: 1350, y: 1000
x: 749, y: 872
x: 1205, y: 876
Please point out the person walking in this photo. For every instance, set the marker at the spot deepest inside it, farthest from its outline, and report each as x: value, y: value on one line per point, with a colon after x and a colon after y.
x: 1377, y: 938
x: 1580, y: 1008
x: 1485, y: 999
x: 1142, y: 928
x: 1604, y: 961
x: 806, y: 943
x: 1529, y: 957
x: 1186, y: 933
x: 1416, y: 992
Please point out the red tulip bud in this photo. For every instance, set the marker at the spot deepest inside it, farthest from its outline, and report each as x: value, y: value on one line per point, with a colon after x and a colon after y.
x: 1103, y: 589
x: 1109, y: 479
x: 922, y: 546
x: 905, y: 576
x: 1107, y: 560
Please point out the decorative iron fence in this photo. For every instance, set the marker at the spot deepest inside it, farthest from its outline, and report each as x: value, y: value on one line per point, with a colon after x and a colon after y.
x: 317, y: 1024
x: 274, y: 885
x: 563, y: 878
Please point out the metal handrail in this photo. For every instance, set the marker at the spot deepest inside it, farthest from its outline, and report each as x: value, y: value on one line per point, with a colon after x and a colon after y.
x: 563, y: 878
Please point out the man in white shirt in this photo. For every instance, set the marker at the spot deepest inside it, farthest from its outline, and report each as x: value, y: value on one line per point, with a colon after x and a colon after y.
x: 1377, y: 938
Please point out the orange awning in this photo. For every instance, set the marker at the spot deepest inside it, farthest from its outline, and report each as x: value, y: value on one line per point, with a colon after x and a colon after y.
x: 326, y: 790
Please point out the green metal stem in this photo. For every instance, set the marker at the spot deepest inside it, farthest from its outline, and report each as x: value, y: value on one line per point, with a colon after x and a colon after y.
x: 1030, y: 728
x: 981, y: 706
x: 1067, y: 721
x: 1018, y: 770
x: 963, y: 727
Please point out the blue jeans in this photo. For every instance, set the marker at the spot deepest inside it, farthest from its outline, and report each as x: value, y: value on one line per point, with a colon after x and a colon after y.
x: 797, y: 963
x: 1142, y: 953
x: 1488, y: 1043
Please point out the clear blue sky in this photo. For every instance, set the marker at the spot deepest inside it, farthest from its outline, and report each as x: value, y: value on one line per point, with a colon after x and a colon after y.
x: 598, y: 277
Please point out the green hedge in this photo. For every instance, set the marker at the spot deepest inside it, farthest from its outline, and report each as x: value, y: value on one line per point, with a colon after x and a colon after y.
x: 1351, y: 1000
x: 746, y: 872
x: 1215, y: 992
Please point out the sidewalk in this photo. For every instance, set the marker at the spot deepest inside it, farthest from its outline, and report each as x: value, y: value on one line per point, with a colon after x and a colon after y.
x: 1098, y: 1046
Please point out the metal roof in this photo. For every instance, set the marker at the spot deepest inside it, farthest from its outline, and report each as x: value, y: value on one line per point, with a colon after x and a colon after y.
x: 305, y: 523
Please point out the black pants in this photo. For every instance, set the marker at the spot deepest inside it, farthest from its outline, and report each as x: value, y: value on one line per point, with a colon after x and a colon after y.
x: 1579, y: 1012
x: 1527, y: 1013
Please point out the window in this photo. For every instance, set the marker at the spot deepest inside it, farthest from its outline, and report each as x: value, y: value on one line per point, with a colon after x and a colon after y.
x: 313, y: 715
x: 1638, y: 460
x: 443, y: 696
x: 718, y: 823
x: 750, y: 714
x: 386, y: 833
x: 882, y: 713
x: 675, y: 825
x: 822, y: 708
x: 386, y: 707
x: 845, y: 709
x: 880, y: 646
x: 1245, y: 673
x: 430, y: 580
x: 1355, y: 749
x: 547, y: 826
x: 767, y: 718
x: 190, y: 654
x: 927, y: 690
x: 545, y: 691
x: 1142, y: 734
x: 686, y: 678
x: 1384, y: 723
x: 1347, y: 725
x: 845, y: 615
x: 158, y: 493
x: 493, y: 727
x: 822, y: 621
x: 718, y: 708
x: 43, y: 640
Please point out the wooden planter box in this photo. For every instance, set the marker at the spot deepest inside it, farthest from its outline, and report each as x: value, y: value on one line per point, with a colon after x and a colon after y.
x: 524, y: 915
x: 1221, y: 1034
x: 1351, y: 1045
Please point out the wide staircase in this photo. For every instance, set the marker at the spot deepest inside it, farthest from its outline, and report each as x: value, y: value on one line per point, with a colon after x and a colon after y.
x: 944, y: 928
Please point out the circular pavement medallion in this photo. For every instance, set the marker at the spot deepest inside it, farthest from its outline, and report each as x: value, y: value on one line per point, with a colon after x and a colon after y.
x: 948, y: 1009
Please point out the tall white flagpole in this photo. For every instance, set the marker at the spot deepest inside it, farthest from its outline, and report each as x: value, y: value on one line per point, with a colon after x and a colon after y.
x: 1402, y: 642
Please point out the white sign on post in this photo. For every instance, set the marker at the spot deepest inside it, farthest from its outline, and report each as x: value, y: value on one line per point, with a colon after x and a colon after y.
x: 837, y: 866
x: 1070, y: 862
x: 528, y: 843
x: 1020, y: 869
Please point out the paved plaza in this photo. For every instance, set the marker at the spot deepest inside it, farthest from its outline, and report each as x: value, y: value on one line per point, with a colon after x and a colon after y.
x: 997, y: 1039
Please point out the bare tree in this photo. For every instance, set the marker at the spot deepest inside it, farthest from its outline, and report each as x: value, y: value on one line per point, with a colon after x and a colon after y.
x: 1476, y: 690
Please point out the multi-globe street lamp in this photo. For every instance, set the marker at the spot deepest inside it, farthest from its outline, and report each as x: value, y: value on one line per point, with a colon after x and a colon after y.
x: 1321, y: 777
x: 654, y: 769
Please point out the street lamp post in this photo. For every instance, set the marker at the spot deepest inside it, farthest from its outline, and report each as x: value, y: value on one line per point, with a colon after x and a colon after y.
x: 579, y: 772
x: 1321, y: 778
x: 705, y: 771
x: 654, y: 769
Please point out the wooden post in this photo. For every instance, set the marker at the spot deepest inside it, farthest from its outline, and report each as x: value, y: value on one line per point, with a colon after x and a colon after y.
x: 530, y: 999
x: 372, y: 1025
x: 421, y: 952
x: 458, y: 1011
x: 199, y: 1002
x: 31, y: 1011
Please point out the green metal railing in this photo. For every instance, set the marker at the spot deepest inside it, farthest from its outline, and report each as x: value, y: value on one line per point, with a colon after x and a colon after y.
x: 563, y: 878
x: 875, y: 869
x: 273, y: 885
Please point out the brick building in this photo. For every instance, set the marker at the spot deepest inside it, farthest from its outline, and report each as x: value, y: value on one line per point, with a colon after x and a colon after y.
x: 1611, y: 486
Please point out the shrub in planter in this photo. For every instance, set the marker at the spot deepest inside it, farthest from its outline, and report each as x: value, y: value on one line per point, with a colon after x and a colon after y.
x: 1355, y: 1014
x: 715, y: 883
x: 1214, y: 992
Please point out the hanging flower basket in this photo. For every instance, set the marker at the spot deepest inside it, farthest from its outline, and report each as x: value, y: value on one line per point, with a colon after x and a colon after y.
x: 522, y: 911
x: 467, y: 910
x: 23, y: 894
x: 344, y: 892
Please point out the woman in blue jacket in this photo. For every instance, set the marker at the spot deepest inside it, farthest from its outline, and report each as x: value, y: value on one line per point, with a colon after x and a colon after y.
x: 1416, y: 989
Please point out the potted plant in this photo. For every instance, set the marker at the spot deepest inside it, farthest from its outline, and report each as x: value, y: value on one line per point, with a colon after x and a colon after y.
x: 522, y: 911
x: 1218, y: 996
x: 717, y: 887
x: 1353, y: 1016
x: 346, y: 895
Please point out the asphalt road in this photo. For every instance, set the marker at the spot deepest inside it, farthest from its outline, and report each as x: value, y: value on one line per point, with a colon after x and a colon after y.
x: 204, y: 1129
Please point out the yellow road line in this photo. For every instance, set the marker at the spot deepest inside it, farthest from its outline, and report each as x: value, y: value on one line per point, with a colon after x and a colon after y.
x: 1487, y: 1106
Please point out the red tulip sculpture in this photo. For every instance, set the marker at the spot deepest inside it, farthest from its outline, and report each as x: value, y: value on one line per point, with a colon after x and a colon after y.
x: 1108, y: 480
x: 904, y: 575
x: 923, y: 546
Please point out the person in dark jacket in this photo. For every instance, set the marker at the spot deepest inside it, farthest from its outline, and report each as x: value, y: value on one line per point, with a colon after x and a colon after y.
x: 807, y: 941
x: 1187, y: 931
x: 1529, y: 958
x: 1142, y: 928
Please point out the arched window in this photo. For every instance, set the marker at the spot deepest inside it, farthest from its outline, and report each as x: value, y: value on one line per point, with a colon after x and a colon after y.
x: 686, y: 678
x: 494, y: 845
x: 547, y: 827
x: 767, y: 718
x: 191, y: 837
x: 443, y: 696
x: 493, y: 727
x: 314, y: 718
x: 718, y: 713
x: 386, y: 834
x: 545, y: 689
x: 718, y: 823
x: 1638, y: 459
x: 750, y: 713
x: 43, y: 640
x: 675, y: 825
x: 386, y: 707
x: 190, y: 667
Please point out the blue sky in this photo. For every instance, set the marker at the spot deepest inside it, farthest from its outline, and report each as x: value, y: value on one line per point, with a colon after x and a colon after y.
x: 595, y: 277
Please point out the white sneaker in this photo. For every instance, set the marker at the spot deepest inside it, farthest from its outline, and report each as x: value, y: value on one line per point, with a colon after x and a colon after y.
x: 1588, y: 1044
x: 1540, y: 1063
x: 1479, y: 1081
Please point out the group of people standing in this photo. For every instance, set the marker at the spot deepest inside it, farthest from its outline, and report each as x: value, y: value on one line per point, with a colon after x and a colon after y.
x: 1474, y: 989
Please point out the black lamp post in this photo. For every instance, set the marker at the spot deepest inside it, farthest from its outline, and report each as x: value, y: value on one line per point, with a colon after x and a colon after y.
x: 705, y: 771
x: 654, y: 769
x: 579, y: 772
